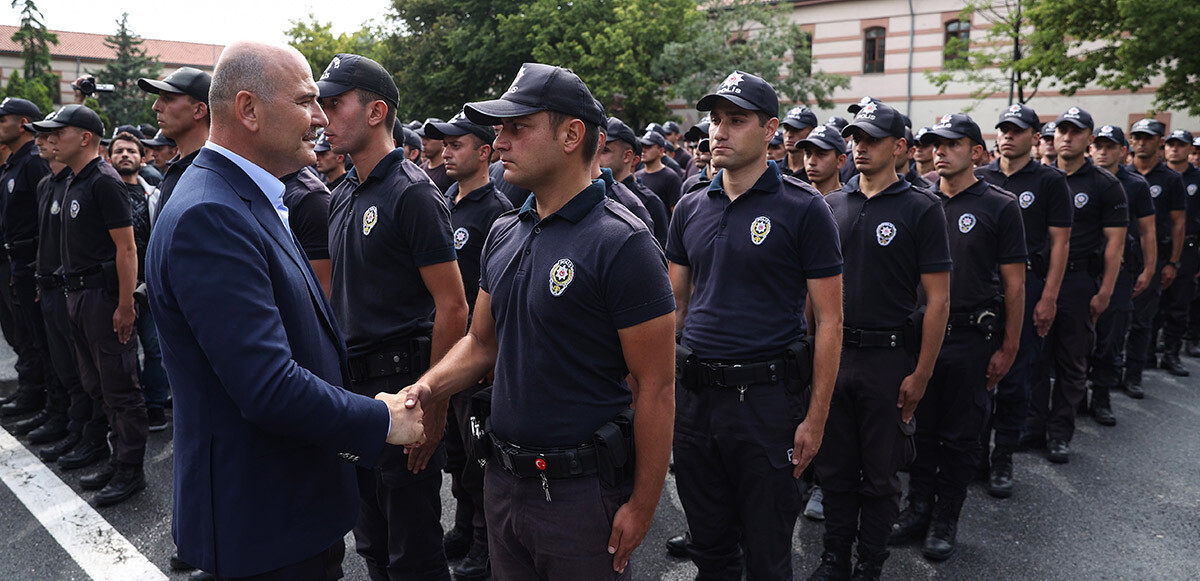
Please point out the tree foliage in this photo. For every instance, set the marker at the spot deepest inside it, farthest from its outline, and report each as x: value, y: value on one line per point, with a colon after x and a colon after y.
x: 39, y: 84
x: 995, y: 65
x: 127, y: 104
x: 316, y: 41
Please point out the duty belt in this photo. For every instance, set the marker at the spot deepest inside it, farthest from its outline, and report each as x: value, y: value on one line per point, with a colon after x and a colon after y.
x: 868, y: 338
x: 22, y: 249
x: 739, y: 375
x: 381, y: 364
x: 84, y: 281
x: 49, y: 282
x: 553, y: 463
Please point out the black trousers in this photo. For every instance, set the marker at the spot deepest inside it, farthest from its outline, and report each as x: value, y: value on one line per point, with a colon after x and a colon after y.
x: 466, y: 475
x: 951, y: 417
x: 1052, y: 412
x: 324, y: 566
x: 864, y: 448
x: 733, y: 470
x: 108, y: 372
x: 28, y: 315
x: 61, y: 345
x: 1138, y: 344
x: 399, y: 528
x: 1011, y: 406
x: 1177, y: 299
x: 1108, y: 357
x: 30, y: 371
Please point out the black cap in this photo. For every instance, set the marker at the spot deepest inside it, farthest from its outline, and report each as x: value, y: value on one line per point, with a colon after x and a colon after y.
x: 919, y: 134
x: 777, y: 139
x: 1077, y: 117
x: 30, y: 126
x: 539, y: 87
x: 459, y: 125
x: 21, y: 107
x: 72, y: 116
x: 672, y: 127
x: 1111, y: 133
x: 877, y: 120
x: 746, y: 91
x: 148, y: 129
x: 653, y: 138
x: 1149, y: 126
x: 321, y: 145
x: 1048, y: 129
x: 825, y: 137
x: 703, y: 145
x: 411, y: 139
x: 1181, y: 135
x: 655, y: 127
x: 955, y: 126
x: 799, y: 118
x: 698, y: 131
x: 420, y: 128
x: 1020, y: 115
x: 415, y: 125
x: 158, y: 140
x: 186, y: 80
x: 351, y: 71
x: 855, y: 107
x: 130, y: 129
x: 617, y: 130
x: 836, y: 122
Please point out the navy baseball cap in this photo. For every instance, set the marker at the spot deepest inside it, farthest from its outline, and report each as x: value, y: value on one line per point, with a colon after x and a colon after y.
x: 185, y: 80
x: 672, y: 127
x: 1149, y: 126
x: 617, y: 130
x: 538, y: 87
x: 920, y: 133
x: 799, y: 118
x: 855, y: 107
x: 1111, y: 133
x: 415, y: 125
x: 777, y: 139
x: 825, y: 137
x: 954, y: 126
x: 21, y: 107
x: 698, y: 131
x: 411, y: 139
x: 744, y: 90
x: 653, y: 138
x: 837, y: 122
x: 158, y: 140
x: 1180, y: 135
x: 1077, y: 117
x: 655, y: 127
x: 1048, y: 129
x: 420, y: 128
x: 459, y: 125
x: 1020, y: 115
x: 877, y: 120
x: 72, y: 116
x: 321, y: 145
x: 703, y: 145
x: 351, y: 71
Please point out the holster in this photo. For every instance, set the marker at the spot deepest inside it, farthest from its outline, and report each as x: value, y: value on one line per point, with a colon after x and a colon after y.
x: 480, y: 421
x: 615, y: 450
x: 799, y: 360
x: 685, y: 367
x: 914, y: 327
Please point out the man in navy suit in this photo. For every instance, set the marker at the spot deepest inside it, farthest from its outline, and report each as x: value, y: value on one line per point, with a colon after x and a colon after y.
x: 266, y: 438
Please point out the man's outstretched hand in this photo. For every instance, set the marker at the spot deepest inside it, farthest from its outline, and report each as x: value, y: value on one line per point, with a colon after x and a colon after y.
x: 408, y: 425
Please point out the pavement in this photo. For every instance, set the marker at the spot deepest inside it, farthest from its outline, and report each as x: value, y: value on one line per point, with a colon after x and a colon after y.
x: 1125, y: 507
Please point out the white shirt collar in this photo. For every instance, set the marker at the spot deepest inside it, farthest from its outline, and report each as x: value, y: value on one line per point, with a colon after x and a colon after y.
x: 269, y: 184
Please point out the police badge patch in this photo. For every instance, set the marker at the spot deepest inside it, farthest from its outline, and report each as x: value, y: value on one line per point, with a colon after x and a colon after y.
x: 460, y: 238
x: 1081, y: 200
x: 1192, y: 190
x: 1025, y: 199
x: 369, y: 219
x: 561, y: 275
x: 12, y: 183
x: 55, y: 208
x: 884, y: 233
x: 966, y: 222
x: 74, y: 208
x: 759, y: 229
x: 1155, y: 191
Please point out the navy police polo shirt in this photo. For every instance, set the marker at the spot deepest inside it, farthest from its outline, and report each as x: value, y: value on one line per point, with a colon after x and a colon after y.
x: 1100, y: 203
x: 888, y: 242
x: 986, y: 230
x: 20, y: 176
x: 307, y: 201
x: 472, y: 218
x: 751, y: 259
x: 96, y: 201
x: 561, y: 287
x: 1137, y: 193
x: 1191, y: 185
x: 1166, y: 187
x: 381, y: 232
x: 51, y: 190
x: 1041, y: 191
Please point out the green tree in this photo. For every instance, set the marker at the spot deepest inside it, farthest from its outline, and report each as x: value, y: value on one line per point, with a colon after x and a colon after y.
x: 1117, y: 44
x: 127, y: 103
x: 752, y: 36
x: 35, y: 41
x: 995, y: 65
x: 316, y: 41
x: 36, y: 92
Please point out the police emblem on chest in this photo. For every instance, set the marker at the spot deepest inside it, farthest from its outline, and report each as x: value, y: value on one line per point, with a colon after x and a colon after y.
x: 1155, y: 191
x: 12, y: 183
x: 370, y: 217
x: 759, y: 229
x: 885, y: 232
x: 74, y: 208
x: 966, y: 222
x: 561, y: 275
x: 1025, y: 199
x: 1192, y: 190
x: 1081, y: 200
x: 460, y: 238
x: 55, y: 208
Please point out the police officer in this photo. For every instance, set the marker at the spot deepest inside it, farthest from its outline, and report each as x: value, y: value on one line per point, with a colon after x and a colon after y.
x: 894, y: 242
x: 100, y: 263
x: 621, y: 153
x: 160, y: 149
x: 1170, y: 206
x: 616, y: 190
x: 796, y: 126
x: 668, y: 157
x: 905, y: 167
x: 1193, y: 332
x: 474, y: 205
x: 1182, y: 293
x: 1137, y: 271
x: 307, y: 200
x: 1097, y: 244
x: 923, y: 155
x: 665, y: 184
x: 431, y: 151
x: 38, y: 390
x: 572, y: 286
x: 1046, y: 152
x: 673, y: 133
x: 987, y: 304
x: 182, y: 111
x: 703, y: 157
x: 389, y: 228
x: 330, y: 165
x: 1046, y: 212
x: 824, y: 152
x: 743, y: 257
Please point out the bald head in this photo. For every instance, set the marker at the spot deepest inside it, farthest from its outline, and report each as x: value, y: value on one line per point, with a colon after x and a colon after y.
x: 250, y: 66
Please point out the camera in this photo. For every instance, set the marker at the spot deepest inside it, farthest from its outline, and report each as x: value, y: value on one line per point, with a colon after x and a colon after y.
x: 89, y: 86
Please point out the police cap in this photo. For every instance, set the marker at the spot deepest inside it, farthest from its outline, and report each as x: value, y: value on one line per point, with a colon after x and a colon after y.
x: 954, y: 126
x: 72, y: 116
x: 1077, y: 117
x: 877, y: 120
x: 746, y: 91
x: 185, y: 80
x: 351, y: 71
x: 1021, y: 115
x: 1181, y: 135
x: 1113, y: 134
x: 538, y: 87
x: 800, y: 118
x: 21, y: 107
x: 459, y: 125
x: 825, y: 137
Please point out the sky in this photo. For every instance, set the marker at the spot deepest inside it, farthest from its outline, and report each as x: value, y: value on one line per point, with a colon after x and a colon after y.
x: 207, y: 21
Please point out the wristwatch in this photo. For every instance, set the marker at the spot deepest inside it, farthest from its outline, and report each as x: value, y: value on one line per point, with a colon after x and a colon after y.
x: 1174, y: 264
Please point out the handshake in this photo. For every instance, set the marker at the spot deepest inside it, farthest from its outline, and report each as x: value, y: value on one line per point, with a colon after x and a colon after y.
x: 408, y: 420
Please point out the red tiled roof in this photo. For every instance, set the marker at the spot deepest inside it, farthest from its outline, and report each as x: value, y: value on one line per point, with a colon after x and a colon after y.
x: 83, y: 45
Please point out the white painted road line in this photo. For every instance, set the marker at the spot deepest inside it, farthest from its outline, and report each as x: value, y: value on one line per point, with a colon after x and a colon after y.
x: 93, y: 543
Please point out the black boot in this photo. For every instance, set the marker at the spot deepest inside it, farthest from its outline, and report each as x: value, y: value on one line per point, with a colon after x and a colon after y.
x: 100, y: 479
x: 1171, y: 364
x: 29, y: 401
x: 913, y: 521
x: 1102, y: 407
x: 1193, y: 348
x: 476, y: 566
x: 53, y: 453
x: 835, y: 565
x: 84, y: 454
x: 53, y: 430
x: 456, y: 542
x: 1000, y: 483
x: 128, y: 480
x: 869, y: 567
x: 939, y: 544
x: 30, y: 424
x: 677, y: 546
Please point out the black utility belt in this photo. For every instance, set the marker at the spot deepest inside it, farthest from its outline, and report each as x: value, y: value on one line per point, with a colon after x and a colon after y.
x: 410, y: 358
x: 553, y: 463
x: 49, y: 282
x: 986, y: 320
x: 889, y: 338
x: 22, y: 249
x: 793, y: 367
x: 97, y: 277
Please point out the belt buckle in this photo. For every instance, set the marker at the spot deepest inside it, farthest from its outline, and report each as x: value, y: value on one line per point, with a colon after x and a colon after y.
x: 986, y: 315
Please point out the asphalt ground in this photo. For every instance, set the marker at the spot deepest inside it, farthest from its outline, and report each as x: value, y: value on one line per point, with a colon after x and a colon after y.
x: 1125, y: 507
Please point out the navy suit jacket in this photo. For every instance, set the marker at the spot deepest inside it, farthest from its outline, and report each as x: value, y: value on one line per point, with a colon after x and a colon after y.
x: 266, y: 438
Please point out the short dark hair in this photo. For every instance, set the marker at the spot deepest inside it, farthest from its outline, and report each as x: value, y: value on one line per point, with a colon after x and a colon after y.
x: 763, y: 117
x: 591, y: 133
x: 127, y: 136
x: 366, y: 97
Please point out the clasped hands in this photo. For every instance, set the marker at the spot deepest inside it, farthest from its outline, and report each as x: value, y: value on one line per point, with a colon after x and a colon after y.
x: 408, y: 419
